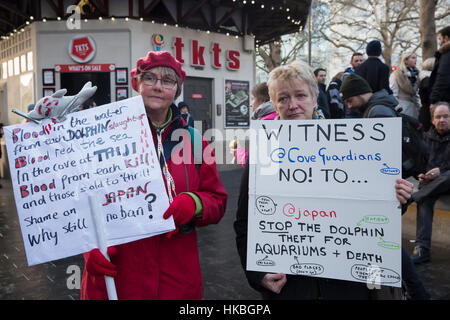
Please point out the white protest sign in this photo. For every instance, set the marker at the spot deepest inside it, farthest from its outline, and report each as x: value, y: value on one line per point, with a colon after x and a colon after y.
x: 322, y: 199
x: 106, y: 151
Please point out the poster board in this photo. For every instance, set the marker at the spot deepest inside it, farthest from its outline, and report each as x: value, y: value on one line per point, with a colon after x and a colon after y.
x: 106, y: 151
x: 237, y: 104
x: 322, y: 200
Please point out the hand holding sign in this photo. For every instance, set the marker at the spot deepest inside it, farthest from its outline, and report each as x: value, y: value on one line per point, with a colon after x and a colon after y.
x: 182, y: 209
x: 324, y: 205
x: 97, y: 264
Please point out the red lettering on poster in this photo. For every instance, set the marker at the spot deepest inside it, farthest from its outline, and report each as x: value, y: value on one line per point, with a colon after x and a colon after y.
x: 85, y: 67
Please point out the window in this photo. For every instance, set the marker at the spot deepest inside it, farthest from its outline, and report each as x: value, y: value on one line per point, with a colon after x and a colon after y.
x: 23, y: 63
x: 30, y: 61
x: 16, y: 66
x: 10, y: 68
x: 5, y: 70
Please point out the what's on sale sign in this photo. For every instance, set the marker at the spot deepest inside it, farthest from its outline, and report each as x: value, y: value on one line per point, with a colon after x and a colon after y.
x: 322, y: 199
x: 107, y: 152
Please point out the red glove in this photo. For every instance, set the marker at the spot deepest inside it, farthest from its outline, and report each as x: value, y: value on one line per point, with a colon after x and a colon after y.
x: 182, y: 209
x: 97, y: 264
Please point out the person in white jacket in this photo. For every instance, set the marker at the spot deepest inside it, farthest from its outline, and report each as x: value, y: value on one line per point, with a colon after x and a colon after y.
x: 404, y: 85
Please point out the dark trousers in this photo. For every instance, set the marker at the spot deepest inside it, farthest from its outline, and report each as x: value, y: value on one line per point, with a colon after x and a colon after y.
x: 424, y: 223
x: 414, y: 287
x: 426, y: 197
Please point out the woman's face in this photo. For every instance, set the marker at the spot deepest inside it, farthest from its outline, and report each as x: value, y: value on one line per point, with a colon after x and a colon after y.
x: 411, y: 61
x: 159, y: 95
x: 293, y: 100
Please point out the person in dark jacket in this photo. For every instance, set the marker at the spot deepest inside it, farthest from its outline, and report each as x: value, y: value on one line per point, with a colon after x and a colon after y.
x: 322, y: 101
x: 440, y: 76
x: 435, y: 182
x: 185, y: 114
x: 373, y: 69
x: 424, y: 93
x: 338, y: 108
x: 293, y: 92
x: 358, y: 95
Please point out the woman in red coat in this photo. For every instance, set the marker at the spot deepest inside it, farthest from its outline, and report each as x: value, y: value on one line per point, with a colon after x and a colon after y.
x: 164, y: 266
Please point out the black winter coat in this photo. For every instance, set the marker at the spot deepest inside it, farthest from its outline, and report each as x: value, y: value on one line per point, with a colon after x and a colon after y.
x: 376, y: 73
x: 439, y: 150
x: 424, y: 112
x: 440, y: 77
x: 322, y: 101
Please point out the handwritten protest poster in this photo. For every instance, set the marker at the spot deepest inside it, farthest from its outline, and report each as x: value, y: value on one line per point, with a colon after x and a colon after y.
x: 322, y: 200
x: 106, y: 151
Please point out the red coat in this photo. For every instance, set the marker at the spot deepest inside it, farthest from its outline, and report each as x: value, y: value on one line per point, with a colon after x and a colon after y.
x: 157, y: 267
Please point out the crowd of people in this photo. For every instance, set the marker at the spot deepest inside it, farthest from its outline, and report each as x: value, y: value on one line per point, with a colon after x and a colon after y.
x: 421, y: 94
x: 167, y: 266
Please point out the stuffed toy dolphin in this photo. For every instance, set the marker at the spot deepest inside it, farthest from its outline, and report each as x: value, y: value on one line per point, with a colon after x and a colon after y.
x: 57, y: 105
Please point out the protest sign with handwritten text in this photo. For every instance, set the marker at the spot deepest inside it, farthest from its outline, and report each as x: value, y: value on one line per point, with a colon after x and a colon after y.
x: 106, y: 151
x: 322, y: 200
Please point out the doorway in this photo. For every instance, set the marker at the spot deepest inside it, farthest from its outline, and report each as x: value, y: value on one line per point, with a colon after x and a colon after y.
x: 73, y: 82
x: 198, y: 96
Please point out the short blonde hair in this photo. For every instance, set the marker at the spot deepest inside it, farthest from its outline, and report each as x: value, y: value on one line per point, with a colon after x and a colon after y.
x: 295, y: 70
x: 428, y: 64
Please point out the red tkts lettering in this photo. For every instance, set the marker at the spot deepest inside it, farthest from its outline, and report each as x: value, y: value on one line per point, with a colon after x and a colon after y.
x: 197, y: 52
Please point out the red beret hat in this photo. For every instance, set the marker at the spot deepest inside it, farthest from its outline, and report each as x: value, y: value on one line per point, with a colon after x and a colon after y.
x: 156, y: 59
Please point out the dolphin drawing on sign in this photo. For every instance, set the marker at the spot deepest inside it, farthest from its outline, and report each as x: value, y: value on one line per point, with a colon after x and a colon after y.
x: 57, y: 106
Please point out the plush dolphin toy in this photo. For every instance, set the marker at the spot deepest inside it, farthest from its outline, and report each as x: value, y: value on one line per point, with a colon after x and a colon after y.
x: 57, y: 105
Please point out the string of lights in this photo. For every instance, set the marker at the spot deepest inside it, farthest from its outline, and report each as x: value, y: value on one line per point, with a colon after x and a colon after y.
x: 281, y: 8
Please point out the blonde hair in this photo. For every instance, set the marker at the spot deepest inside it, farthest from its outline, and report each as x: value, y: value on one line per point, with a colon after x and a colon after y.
x: 428, y: 64
x: 295, y: 70
x: 402, y: 64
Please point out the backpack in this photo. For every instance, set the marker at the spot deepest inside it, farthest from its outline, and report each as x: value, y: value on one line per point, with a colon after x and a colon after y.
x: 414, y: 148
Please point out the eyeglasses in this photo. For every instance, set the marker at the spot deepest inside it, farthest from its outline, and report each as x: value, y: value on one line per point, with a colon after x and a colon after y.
x: 167, y: 83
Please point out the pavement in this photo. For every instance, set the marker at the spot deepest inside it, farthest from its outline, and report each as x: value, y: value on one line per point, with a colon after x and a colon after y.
x: 223, y: 277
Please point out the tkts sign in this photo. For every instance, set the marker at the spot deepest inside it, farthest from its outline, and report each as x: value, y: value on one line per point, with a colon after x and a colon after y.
x: 82, y: 48
x: 198, y: 55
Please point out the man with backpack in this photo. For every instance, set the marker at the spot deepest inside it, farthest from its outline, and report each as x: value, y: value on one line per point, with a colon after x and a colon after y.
x: 358, y: 95
x: 360, y: 99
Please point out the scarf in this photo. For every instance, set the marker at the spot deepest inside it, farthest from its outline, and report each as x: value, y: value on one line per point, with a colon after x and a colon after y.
x: 412, y: 74
x: 404, y: 83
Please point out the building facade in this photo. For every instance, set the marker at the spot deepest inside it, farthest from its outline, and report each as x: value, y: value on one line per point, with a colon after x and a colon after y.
x: 48, y: 56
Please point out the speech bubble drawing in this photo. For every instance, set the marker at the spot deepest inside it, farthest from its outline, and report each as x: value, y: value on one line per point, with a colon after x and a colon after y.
x: 374, y: 219
x: 306, y: 269
x: 388, y: 244
x: 366, y: 273
x: 389, y: 171
x: 265, y: 205
x: 265, y: 262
